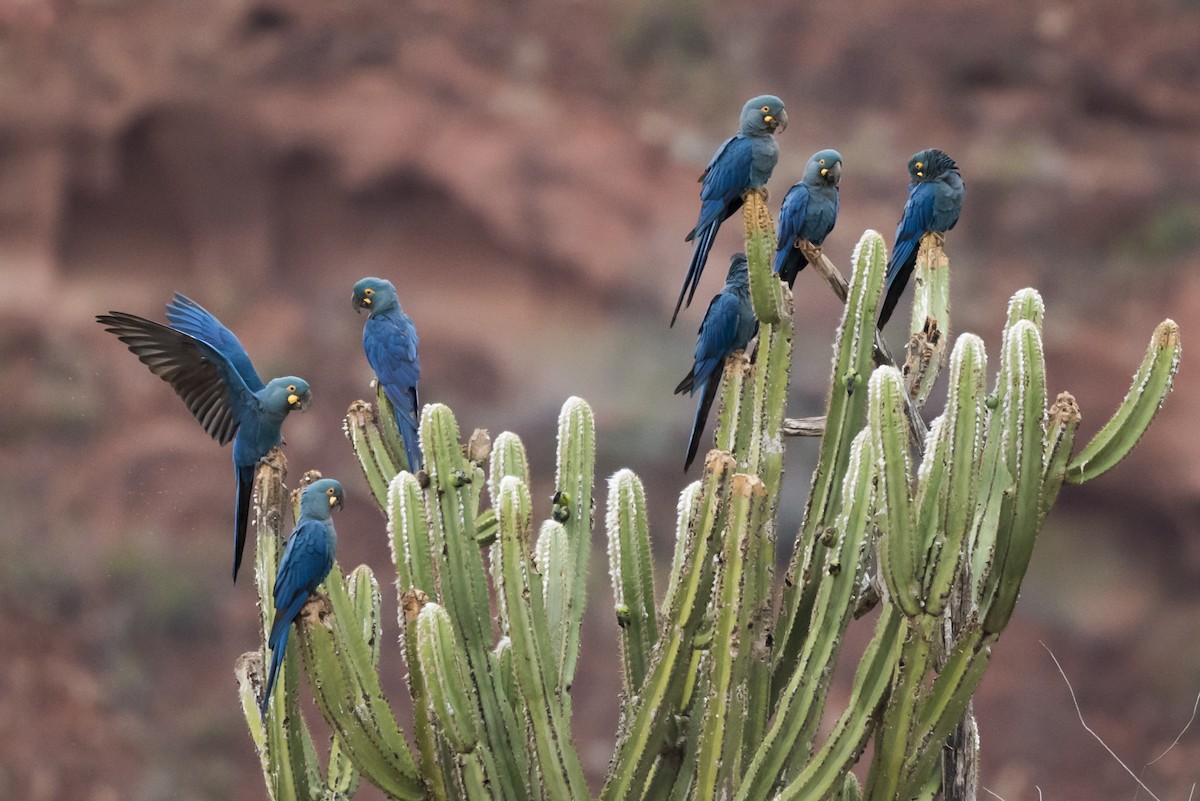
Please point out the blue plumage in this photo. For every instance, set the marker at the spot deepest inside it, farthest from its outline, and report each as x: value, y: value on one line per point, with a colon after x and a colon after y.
x: 743, y: 162
x: 728, y: 326
x: 808, y: 213
x: 307, y: 560
x: 390, y: 342
x: 209, y: 369
x: 935, y: 196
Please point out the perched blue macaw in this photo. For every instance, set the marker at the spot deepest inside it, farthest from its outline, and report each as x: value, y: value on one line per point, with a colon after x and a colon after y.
x: 809, y: 212
x: 729, y: 325
x: 743, y: 162
x: 307, y: 560
x: 935, y: 196
x: 390, y: 342
x: 207, y: 366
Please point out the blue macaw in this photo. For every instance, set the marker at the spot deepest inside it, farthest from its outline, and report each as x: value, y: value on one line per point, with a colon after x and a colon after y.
x: 729, y: 325
x: 809, y: 212
x: 935, y: 196
x: 390, y: 342
x: 307, y: 560
x: 207, y: 366
x: 743, y: 162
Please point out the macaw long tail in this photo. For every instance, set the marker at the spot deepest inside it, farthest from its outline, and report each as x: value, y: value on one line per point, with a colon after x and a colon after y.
x: 241, y: 520
x: 707, y: 393
x: 704, y: 244
x: 277, y: 655
x: 277, y: 642
x: 412, y: 442
x: 904, y: 259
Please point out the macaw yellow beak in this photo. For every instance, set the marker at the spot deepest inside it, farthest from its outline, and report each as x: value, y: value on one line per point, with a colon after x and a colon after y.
x: 335, y: 501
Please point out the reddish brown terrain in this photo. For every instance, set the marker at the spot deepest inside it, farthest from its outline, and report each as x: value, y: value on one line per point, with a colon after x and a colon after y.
x: 525, y: 172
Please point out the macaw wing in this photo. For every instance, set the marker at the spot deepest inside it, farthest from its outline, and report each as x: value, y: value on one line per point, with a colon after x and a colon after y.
x: 305, y: 562
x: 822, y: 216
x: 391, y: 350
x: 947, y: 201
x: 727, y: 177
x: 792, y: 214
x: 914, y: 222
x: 188, y: 316
x: 717, y: 334
x: 200, y: 374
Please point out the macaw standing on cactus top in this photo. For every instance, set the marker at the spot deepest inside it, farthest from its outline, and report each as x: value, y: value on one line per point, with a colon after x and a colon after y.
x: 728, y: 326
x: 307, y: 560
x: 743, y: 162
x: 207, y: 366
x: 390, y: 342
x: 808, y: 213
x: 935, y: 196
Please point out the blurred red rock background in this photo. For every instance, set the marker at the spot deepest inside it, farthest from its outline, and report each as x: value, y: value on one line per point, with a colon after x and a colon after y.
x: 525, y: 173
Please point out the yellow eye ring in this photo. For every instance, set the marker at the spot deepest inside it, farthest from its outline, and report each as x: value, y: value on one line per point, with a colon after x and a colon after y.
x: 765, y: 109
x: 291, y: 387
x: 822, y: 161
x: 372, y: 291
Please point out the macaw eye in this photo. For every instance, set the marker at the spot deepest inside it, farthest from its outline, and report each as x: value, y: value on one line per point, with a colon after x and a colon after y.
x: 329, y: 491
x: 291, y: 387
x: 765, y: 109
x: 372, y: 291
x: 919, y: 165
x: 822, y: 161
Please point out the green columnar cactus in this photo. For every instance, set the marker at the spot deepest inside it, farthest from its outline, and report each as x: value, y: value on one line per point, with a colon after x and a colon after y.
x: 725, y: 679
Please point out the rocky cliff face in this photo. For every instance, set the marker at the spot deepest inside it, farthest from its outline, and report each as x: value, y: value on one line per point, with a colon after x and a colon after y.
x: 526, y: 172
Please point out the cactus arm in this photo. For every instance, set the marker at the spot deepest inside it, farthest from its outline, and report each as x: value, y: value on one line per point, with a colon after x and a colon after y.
x: 1023, y: 410
x: 963, y: 429
x: 409, y: 537
x: 537, y: 674
x: 432, y: 748
x: 929, y: 331
x: 379, y: 466
x: 766, y: 290
x: 897, y: 541
x: 1060, y: 440
x: 943, y: 706
x: 631, y: 572
x: 846, y: 413
x: 848, y: 738
x: 713, y: 764
x: 641, y: 740
x: 683, y: 518
x: 799, y: 708
x: 1151, y: 383
x: 895, y: 734
x: 464, y: 593
x: 443, y: 661
x: 574, y: 479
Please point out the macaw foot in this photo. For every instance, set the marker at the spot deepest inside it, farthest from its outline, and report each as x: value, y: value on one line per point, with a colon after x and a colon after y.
x: 316, y: 609
x: 275, y: 458
x: 761, y: 191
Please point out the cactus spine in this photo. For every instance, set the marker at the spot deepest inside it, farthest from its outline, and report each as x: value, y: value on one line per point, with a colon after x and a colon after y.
x: 725, y: 678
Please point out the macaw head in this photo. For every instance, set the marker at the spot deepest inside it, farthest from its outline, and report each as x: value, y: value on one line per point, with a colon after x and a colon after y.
x: 825, y: 167
x: 763, y: 114
x: 287, y: 394
x: 375, y: 295
x: 738, y: 274
x: 929, y: 164
x: 320, y: 498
